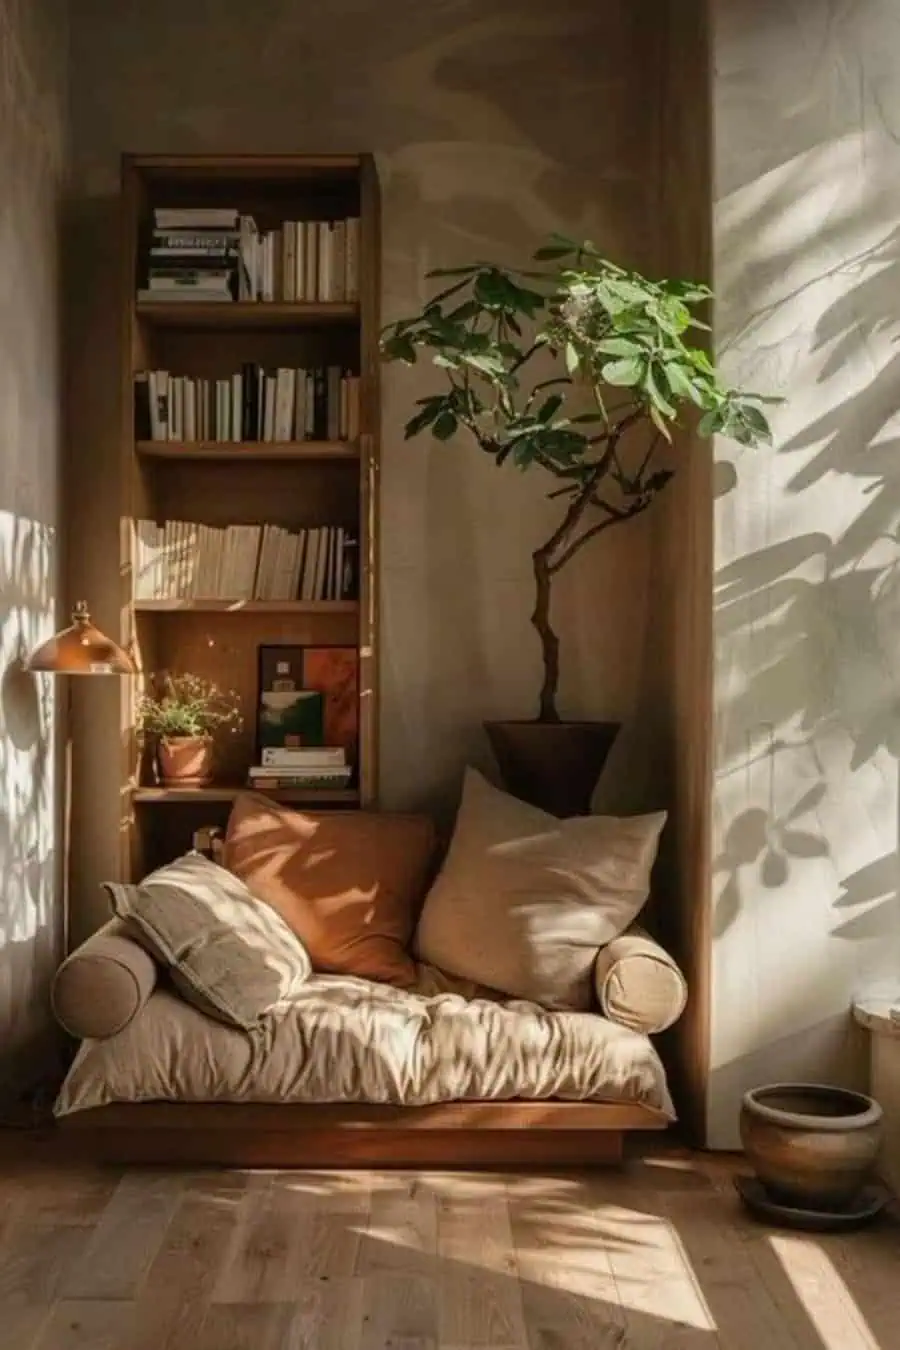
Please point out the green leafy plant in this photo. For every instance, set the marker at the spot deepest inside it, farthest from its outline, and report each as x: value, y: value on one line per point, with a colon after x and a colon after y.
x: 580, y: 368
x: 186, y: 705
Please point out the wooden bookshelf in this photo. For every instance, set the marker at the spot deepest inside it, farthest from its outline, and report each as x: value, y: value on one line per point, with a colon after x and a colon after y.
x: 293, y: 484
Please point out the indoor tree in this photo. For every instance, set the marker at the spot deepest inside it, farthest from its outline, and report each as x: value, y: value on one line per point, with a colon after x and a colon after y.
x: 624, y: 367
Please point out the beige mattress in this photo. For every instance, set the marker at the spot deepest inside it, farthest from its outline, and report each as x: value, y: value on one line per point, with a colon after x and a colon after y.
x: 348, y: 1040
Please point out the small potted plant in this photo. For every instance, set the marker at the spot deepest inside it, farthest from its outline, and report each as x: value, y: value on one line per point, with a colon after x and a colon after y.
x: 179, y: 714
x: 580, y: 369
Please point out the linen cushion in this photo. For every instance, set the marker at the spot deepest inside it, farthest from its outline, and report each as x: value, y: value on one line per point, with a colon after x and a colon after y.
x: 348, y: 1040
x: 103, y: 984
x: 638, y: 984
x: 525, y: 901
x: 231, y: 956
x: 349, y: 884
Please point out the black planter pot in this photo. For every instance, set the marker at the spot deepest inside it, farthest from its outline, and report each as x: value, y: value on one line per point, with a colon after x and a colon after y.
x: 553, y: 765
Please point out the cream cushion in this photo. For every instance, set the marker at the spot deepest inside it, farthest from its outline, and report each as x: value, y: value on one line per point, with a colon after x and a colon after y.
x: 345, y: 1039
x: 525, y: 901
x: 228, y: 953
x: 103, y: 984
x: 638, y: 984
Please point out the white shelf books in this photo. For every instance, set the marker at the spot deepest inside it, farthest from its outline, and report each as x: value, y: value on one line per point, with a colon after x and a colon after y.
x: 209, y: 254
x: 183, y: 560
x: 251, y: 404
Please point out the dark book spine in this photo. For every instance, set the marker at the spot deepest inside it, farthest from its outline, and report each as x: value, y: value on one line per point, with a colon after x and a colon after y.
x: 320, y: 405
x: 249, y: 388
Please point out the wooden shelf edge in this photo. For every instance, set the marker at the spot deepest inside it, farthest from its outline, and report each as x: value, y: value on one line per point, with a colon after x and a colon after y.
x: 252, y: 451
x: 246, y: 606
x: 223, y: 166
x: 149, y: 796
x: 243, y: 313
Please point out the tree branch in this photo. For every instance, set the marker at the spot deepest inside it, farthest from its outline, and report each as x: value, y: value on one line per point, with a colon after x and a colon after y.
x: 614, y: 518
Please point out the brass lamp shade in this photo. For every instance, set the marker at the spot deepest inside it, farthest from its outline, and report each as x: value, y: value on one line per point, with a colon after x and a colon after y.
x: 81, y: 649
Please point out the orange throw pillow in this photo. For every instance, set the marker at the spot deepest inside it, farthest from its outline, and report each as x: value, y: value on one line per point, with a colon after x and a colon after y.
x: 350, y: 884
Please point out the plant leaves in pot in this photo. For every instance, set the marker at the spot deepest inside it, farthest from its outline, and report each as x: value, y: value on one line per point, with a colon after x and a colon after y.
x: 180, y: 715
x: 581, y: 369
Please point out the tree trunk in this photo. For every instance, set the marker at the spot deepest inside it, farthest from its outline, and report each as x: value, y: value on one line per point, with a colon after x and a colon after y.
x: 549, y: 641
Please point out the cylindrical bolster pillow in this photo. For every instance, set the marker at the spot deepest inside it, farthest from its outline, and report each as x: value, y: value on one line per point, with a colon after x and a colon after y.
x: 638, y: 984
x: 103, y: 984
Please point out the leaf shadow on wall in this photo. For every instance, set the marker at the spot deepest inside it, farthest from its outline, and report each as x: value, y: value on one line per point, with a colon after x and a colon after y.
x: 29, y: 921
x: 815, y: 620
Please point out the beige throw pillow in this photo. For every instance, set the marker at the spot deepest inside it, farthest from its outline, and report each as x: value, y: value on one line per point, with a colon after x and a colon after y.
x: 228, y: 953
x: 525, y: 901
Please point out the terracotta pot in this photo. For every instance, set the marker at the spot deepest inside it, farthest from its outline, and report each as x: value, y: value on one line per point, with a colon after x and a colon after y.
x: 553, y: 765
x: 185, y: 761
x: 811, y: 1146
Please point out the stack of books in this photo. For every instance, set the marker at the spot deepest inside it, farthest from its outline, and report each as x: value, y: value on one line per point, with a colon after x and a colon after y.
x: 288, y: 767
x: 253, y: 404
x: 183, y: 560
x: 197, y: 254
x: 216, y: 253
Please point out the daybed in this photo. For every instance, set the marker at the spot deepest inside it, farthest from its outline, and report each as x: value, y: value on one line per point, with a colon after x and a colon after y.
x: 220, y: 1024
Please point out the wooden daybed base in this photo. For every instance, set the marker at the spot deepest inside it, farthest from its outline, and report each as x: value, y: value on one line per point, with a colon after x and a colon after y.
x: 453, y: 1134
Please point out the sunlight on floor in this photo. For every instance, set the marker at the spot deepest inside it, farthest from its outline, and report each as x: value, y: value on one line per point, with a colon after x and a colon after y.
x: 824, y: 1296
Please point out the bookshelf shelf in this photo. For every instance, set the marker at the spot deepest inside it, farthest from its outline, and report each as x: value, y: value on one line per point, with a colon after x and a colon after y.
x: 259, y: 315
x: 168, y: 796
x: 247, y: 606
x: 243, y: 451
x: 308, y: 507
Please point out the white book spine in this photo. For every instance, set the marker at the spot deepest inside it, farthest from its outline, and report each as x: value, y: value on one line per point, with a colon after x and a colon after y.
x: 312, y: 260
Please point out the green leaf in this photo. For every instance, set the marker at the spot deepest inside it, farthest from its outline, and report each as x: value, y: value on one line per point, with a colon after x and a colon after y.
x: 659, y: 422
x: 445, y: 426
x: 455, y: 271
x: 422, y: 419
x: 680, y: 383
x: 656, y: 391
x: 488, y: 365
x: 756, y: 421
x: 551, y: 252
x: 399, y: 348
x: 619, y: 346
x: 623, y: 374
x: 550, y: 407
x: 709, y: 423
x: 468, y: 310
x: 572, y: 358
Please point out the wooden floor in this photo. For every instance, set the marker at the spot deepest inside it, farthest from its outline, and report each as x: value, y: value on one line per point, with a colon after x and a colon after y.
x: 657, y: 1257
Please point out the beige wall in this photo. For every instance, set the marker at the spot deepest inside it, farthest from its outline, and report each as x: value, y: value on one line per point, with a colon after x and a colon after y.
x: 806, y: 103
x: 32, y: 93
x: 492, y: 125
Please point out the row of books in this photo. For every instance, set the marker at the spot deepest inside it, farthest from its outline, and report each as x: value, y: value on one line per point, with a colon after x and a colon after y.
x: 252, y: 404
x: 182, y: 560
x: 211, y: 254
x: 300, y: 767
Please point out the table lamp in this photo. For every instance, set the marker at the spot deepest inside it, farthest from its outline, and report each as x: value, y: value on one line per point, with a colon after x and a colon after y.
x: 80, y: 649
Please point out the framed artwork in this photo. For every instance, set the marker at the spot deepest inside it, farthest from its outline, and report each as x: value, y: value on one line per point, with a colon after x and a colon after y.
x: 309, y: 695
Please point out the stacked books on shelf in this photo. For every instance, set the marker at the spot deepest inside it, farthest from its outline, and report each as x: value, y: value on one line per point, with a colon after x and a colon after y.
x: 197, y: 254
x: 217, y: 253
x: 283, y: 768
x: 252, y: 404
x: 181, y: 560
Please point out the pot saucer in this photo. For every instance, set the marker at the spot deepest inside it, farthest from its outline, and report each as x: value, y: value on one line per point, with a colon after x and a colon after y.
x: 866, y: 1207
